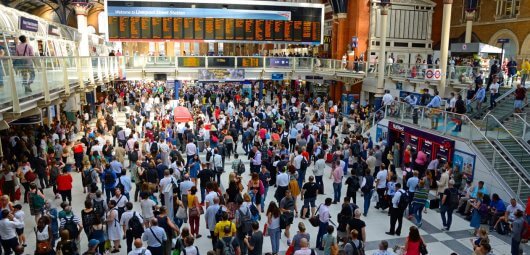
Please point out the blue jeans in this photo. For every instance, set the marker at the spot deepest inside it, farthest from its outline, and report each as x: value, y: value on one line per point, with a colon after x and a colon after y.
x: 203, y: 193
x: 345, y: 169
x: 301, y: 178
x: 367, y: 199
x: 275, y: 235
x: 320, y: 183
x: 418, y: 209
x: 515, y: 247
x: 263, y: 198
x: 336, y: 192
x: 446, y: 222
x: 322, y: 229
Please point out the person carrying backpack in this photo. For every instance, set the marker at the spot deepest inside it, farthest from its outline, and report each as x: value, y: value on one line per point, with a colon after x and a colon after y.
x: 228, y: 245
x: 132, y: 223
x: 450, y: 201
x: 243, y: 217
x: 399, y: 204
x: 109, y: 181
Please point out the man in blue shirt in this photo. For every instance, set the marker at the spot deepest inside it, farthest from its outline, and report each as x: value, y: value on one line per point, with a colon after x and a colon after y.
x: 473, y: 195
x: 497, y: 209
x: 435, y: 103
x: 479, y: 96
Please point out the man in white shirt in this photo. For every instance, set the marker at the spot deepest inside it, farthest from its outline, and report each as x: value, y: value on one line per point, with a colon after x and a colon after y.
x: 210, y: 197
x: 396, y: 213
x: 494, y: 92
x: 509, y: 215
x: 452, y: 102
x: 191, y: 150
x: 124, y: 222
x: 8, y: 234
x: 282, y: 181
x: 323, y: 218
x: 381, y: 186
x: 388, y: 99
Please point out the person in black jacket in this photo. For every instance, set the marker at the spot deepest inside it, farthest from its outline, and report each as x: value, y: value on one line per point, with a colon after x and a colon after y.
x: 460, y: 108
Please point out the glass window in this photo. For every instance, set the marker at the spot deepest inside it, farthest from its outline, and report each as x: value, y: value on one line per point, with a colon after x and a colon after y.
x: 508, y: 9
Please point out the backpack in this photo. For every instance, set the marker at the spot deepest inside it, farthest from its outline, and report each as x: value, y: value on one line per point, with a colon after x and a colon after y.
x: 255, y: 212
x: 208, y: 154
x: 219, y: 214
x: 357, y: 250
x: 353, y: 184
x: 154, y: 148
x: 135, y: 226
x: 120, y: 186
x: 88, y: 176
x: 241, y: 168
x: 99, y: 207
x: 71, y: 226
x: 304, y: 164
x: 30, y: 176
x: 453, y: 199
x: 109, y: 179
x: 228, y: 248
x: 244, y: 223
x: 133, y: 156
x: 356, y: 149
x: 69, y: 248
x: 403, y: 200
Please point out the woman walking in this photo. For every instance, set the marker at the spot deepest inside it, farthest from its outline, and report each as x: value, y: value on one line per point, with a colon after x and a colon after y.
x: 273, y: 219
x: 194, y: 212
x: 114, y: 229
x: 64, y: 185
x: 413, y: 242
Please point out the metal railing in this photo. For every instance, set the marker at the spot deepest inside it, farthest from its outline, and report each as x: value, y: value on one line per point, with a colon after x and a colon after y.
x: 518, y: 119
x: 425, y: 118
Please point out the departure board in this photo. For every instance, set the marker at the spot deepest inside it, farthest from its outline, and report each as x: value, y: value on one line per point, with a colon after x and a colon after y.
x: 229, y: 29
x: 297, y: 31
x: 259, y: 26
x: 187, y: 27
x: 224, y: 20
x: 307, y: 28
x: 268, y: 30
x: 278, y: 30
x: 239, y: 29
x: 219, y: 27
x: 146, y: 28
x: 136, y: 28
x: 167, y: 28
x: 156, y: 24
x: 250, y: 62
x: 191, y: 62
x: 125, y: 27
x: 249, y: 30
x: 209, y: 30
x: 177, y: 28
x: 288, y: 31
x: 199, y: 28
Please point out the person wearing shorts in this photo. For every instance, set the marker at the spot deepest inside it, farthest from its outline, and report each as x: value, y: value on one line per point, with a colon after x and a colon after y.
x: 520, y: 95
x: 309, y: 196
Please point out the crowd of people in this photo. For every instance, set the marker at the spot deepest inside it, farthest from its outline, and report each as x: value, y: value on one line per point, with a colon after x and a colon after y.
x: 245, y: 158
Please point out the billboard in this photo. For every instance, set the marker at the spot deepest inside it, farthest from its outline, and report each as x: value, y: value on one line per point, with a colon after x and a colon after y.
x: 221, y: 74
x: 252, y: 21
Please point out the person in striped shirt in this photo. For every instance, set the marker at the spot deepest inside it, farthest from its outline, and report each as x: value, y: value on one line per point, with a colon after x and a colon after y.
x: 418, y: 203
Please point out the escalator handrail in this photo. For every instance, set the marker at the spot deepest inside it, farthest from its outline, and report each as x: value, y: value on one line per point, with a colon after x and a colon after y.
x: 509, y: 133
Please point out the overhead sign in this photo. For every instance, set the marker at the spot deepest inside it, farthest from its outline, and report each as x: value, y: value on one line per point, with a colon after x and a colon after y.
x: 54, y: 30
x: 221, y: 74
x: 277, y: 76
x: 28, y: 24
x: 279, y: 62
x: 30, y: 120
x: 503, y: 40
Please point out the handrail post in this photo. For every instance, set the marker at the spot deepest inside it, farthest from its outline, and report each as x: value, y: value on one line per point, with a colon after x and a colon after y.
x: 402, y: 112
x: 14, y: 94
x: 66, y: 82
x: 45, y: 88
x: 445, y: 122
x: 422, y: 116
x: 80, y: 73
x: 493, y: 158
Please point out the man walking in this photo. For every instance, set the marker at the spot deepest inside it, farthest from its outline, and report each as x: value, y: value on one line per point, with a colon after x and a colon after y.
x: 449, y: 203
x: 323, y: 217
x: 399, y: 204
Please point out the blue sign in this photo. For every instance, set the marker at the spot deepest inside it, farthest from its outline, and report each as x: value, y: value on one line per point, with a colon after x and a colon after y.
x: 28, y: 24
x: 277, y: 76
x: 279, y: 62
x: 354, y: 42
x: 503, y: 40
x: 137, y: 11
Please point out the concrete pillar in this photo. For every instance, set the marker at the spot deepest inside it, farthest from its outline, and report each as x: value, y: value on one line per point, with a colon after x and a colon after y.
x: 444, y: 44
x: 380, y: 91
x: 342, y: 34
x: 81, y: 10
x: 470, y: 16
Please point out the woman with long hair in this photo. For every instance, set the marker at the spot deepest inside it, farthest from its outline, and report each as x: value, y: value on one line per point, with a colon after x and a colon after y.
x: 255, y: 188
x: 273, y: 220
x: 475, y: 216
x: 194, y: 212
x: 44, y: 237
x: 413, y: 242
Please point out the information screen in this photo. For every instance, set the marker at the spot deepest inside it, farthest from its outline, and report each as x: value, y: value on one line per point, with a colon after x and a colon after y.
x: 191, y: 62
x: 222, y: 20
x: 250, y: 62
x: 209, y: 30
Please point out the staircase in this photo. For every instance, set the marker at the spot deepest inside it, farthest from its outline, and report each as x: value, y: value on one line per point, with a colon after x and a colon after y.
x: 505, y: 167
x: 504, y: 104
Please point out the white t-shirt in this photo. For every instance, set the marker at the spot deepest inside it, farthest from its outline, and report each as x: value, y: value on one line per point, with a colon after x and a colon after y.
x: 147, y: 208
x: 494, y: 88
x: 210, y: 197
x: 388, y: 99
x: 381, y: 177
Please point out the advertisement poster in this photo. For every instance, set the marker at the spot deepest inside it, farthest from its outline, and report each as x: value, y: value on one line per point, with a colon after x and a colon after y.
x: 381, y: 132
x: 221, y: 74
x: 464, y: 162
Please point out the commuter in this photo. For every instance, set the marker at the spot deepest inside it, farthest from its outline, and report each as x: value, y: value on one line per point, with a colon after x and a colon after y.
x: 449, y: 203
x: 323, y: 217
x: 367, y: 187
x: 139, y: 248
x: 25, y: 66
x: 413, y: 242
x: 396, y: 211
x: 273, y: 221
x: 517, y: 230
x: 383, y: 249
x: 155, y: 237
x: 520, y: 95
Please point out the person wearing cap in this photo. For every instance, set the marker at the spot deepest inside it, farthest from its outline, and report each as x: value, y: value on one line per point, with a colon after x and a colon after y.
x: 92, y: 248
x: 139, y: 248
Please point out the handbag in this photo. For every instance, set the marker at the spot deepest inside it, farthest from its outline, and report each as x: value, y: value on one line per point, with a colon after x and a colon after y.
x: 194, y: 212
x: 265, y: 229
x: 107, y: 245
x: 423, y: 248
x: 43, y: 247
x: 314, y: 220
x: 290, y: 250
x: 181, y: 213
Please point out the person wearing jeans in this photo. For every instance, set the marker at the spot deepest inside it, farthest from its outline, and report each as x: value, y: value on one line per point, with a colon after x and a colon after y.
x: 336, y: 175
x: 367, y: 187
x: 446, y: 209
x: 273, y: 219
x: 323, y: 217
x: 418, y: 203
x: 318, y: 171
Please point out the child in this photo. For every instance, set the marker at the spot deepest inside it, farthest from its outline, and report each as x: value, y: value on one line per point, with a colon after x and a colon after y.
x: 19, y: 215
x: 329, y: 240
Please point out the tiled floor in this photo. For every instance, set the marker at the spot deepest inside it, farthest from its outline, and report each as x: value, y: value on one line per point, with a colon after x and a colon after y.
x: 438, y: 242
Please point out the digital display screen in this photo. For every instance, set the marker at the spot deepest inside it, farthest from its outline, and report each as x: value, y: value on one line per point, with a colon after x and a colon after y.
x: 191, y: 62
x: 250, y: 62
x: 234, y: 21
x: 221, y: 62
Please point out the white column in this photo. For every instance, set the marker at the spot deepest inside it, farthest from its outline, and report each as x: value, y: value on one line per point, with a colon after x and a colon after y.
x: 444, y: 45
x: 470, y: 16
x: 81, y: 10
x: 382, y: 50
